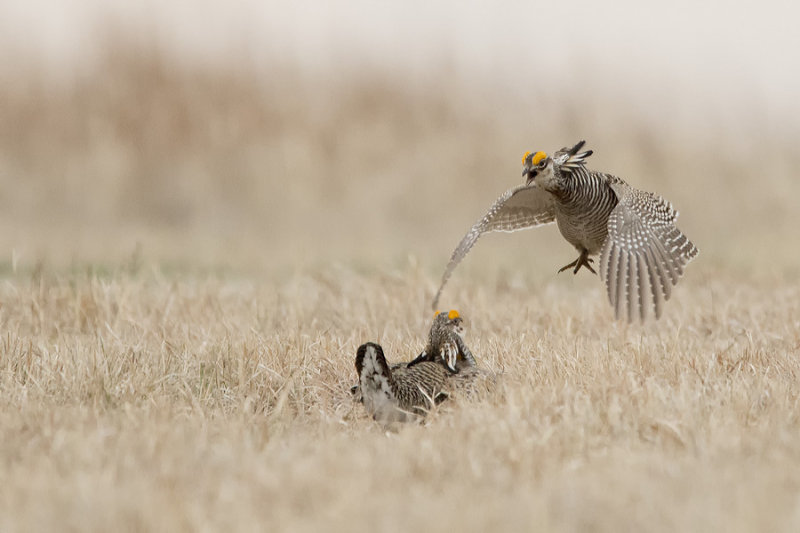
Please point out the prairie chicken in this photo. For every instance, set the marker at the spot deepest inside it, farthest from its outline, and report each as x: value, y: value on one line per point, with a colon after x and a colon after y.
x: 642, y: 252
x: 445, y: 347
x: 398, y: 396
x: 445, y: 343
x: 405, y: 391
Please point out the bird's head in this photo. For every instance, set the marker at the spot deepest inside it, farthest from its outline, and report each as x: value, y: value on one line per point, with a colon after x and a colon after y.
x: 537, y: 169
x: 450, y: 321
x: 441, y: 342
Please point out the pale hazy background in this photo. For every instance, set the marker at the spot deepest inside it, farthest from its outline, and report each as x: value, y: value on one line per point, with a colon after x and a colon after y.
x: 205, y: 207
x: 252, y: 135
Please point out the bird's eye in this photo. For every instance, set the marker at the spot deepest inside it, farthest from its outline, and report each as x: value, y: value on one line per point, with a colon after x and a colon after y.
x: 542, y: 163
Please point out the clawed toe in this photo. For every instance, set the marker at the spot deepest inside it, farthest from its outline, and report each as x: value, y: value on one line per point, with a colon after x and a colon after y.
x: 582, y: 261
x: 565, y: 267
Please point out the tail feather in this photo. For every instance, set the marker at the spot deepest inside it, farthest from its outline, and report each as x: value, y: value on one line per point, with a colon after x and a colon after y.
x: 377, y: 385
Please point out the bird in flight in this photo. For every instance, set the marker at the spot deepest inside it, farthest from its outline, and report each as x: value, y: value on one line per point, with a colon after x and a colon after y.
x: 642, y: 253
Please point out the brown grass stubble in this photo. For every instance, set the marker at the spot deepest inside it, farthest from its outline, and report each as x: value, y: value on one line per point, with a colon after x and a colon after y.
x: 206, y: 403
x: 159, y: 397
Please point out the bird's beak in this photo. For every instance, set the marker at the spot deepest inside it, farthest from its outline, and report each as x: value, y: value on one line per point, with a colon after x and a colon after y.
x: 529, y: 175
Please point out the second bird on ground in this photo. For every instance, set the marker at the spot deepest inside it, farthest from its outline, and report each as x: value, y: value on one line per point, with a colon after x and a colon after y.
x: 642, y: 252
x: 445, y: 341
x: 406, y: 391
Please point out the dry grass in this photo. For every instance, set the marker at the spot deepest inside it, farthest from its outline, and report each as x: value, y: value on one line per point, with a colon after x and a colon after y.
x: 139, y: 402
x: 244, y: 234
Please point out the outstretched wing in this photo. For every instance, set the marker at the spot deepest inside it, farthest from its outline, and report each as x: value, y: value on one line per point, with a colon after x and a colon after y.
x: 644, y: 254
x: 522, y: 207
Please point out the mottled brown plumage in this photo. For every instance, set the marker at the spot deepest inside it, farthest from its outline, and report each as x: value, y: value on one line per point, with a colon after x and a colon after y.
x: 445, y: 342
x: 402, y: 395
x: 402, y: 391
x: 642, y: 252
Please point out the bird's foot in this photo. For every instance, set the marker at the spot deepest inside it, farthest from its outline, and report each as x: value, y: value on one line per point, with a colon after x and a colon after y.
x: 565, y: 267
x: 582, y: 261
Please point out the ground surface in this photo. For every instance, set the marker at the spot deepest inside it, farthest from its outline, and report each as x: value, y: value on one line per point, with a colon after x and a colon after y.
x: 192, y: 250
x: 213, y: 403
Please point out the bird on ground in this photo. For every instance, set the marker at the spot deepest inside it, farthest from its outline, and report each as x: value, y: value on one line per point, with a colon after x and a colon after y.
x: 407, y: 391
x: 445, y: 346
x: 642, y: 254
x: 445, y: 341
x: 398, y: 396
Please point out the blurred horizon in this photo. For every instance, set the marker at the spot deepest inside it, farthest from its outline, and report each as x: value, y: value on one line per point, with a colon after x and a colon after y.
x: 255, y: 135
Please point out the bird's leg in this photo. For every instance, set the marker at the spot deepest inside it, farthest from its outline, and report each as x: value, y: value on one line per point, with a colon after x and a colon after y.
x: 583, y: 260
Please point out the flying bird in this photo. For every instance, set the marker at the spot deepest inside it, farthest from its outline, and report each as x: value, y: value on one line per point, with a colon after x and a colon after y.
x: 642, y: 254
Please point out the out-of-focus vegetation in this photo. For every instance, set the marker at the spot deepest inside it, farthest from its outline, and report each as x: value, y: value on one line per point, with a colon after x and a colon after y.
x: 192, y: 249
x: 277, y: 165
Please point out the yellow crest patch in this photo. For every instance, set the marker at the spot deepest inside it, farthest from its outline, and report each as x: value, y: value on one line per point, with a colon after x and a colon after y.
x: 524, y: 157
x: 538, y: 157
x: 452, y: 314
x: 436, y: 314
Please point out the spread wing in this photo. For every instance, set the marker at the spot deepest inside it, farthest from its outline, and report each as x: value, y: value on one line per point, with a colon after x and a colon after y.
x: 519, y: 208
x: 644, y: 254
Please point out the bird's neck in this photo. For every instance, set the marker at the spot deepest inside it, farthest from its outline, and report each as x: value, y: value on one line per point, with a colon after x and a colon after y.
x: 568, y: 184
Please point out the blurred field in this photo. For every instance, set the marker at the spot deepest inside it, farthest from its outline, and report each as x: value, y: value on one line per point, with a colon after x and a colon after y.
x: 140, y: 402
x: 276, y: 166
x: 190, y: 254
